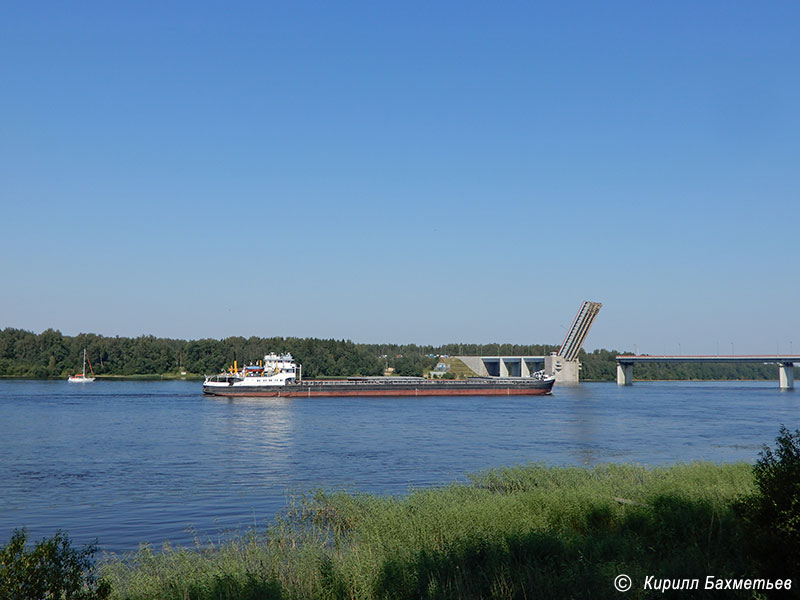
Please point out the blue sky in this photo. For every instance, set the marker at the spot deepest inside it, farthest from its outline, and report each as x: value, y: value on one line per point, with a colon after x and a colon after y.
x: 408, y: 172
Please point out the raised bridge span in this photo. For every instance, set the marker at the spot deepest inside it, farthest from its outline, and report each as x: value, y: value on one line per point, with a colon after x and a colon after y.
x: 785, y: 364
x: 564, y: 364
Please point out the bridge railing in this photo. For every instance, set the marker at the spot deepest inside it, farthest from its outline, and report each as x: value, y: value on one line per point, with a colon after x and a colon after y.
x: 785, y: 364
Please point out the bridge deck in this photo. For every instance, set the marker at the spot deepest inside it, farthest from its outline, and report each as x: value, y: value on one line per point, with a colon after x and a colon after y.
x: 785, y: 364
x: 729, y: 358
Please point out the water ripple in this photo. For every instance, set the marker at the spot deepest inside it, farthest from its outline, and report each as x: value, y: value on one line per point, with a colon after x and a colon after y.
x: 130, y: 462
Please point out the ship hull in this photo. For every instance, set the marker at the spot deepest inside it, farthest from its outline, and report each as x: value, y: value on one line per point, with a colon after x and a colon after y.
x: 328, y: 389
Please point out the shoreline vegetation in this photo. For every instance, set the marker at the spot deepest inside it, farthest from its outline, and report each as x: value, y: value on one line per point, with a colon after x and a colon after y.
x: 52, y: 355
x: 196, y: 377
x: 530, y: 531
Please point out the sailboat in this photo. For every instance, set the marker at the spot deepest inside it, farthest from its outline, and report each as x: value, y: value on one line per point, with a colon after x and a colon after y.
x: 81, y: 377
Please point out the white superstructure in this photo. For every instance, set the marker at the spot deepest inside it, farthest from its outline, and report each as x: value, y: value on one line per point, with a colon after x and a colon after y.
x: 274, y: 370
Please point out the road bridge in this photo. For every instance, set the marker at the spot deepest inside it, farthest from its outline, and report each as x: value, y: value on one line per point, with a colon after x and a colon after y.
x: 785, y: 364
x: 503, y: 366
x: 563, y: 365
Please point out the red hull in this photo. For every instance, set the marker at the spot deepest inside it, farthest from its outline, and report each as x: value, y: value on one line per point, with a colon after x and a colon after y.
x: 311, y: 392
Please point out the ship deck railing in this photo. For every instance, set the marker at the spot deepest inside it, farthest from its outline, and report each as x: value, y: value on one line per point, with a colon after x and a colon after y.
x: 420, y: 381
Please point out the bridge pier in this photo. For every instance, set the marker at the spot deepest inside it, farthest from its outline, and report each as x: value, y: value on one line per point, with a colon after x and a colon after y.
x: 524, y: 368
x: 786, y: 376
x: 785, y: 362
x: 503, y: 368
x: 624, y: 374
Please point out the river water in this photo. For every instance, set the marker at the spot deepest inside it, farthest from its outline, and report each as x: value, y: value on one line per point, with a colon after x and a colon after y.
x: 129, y: 462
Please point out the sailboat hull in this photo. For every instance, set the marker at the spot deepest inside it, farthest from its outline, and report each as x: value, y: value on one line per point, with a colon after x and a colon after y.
x: 81, y: 377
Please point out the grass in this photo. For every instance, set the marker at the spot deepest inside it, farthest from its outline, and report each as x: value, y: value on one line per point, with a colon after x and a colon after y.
x: 152, y: 377
x: 523, y: 532
x: 107, y: 377
x: 461, y: 370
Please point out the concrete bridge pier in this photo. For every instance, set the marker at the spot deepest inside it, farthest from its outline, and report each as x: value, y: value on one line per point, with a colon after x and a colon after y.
x: 786, y: 375
x: 624, y: 374
x: 565, y: 371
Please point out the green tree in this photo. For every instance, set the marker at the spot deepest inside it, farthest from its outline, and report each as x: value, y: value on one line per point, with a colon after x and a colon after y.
x: 52, y: 570
x: 774, y: 512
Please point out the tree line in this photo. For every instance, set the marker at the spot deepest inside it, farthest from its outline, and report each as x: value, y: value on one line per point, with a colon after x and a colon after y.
x: 52, y: 354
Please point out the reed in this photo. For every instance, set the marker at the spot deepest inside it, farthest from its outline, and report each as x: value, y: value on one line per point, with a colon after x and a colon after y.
x: 523, y: 532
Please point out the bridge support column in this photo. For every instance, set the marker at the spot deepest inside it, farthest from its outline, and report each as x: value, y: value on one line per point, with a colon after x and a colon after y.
x: 524, y: 369
x: 786, y: 376
x: 503, y: 368
x: 624, y: 374
x: 565, y: 371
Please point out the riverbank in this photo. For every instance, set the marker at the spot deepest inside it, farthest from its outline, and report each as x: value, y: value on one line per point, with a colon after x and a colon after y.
x: 198, y: 377
x: 133, y: 377
x: 51, y: 354
x: 530, y: 531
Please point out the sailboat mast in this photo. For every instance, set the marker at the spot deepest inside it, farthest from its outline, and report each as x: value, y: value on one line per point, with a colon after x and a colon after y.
x: 84, y: 362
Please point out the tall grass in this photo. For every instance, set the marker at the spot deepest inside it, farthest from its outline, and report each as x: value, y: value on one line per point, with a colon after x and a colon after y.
x: 524, y: 532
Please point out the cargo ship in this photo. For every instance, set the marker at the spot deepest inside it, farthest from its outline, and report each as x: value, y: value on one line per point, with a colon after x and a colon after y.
x: 280, y: 376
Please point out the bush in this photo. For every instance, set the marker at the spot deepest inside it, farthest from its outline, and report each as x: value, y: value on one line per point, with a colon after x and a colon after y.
x: 774, y: 512
x: 52, y: 570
